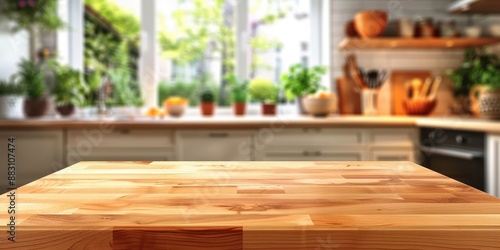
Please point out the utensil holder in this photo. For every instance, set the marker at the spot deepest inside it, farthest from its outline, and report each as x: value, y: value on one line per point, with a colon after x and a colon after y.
x: 369, y: 101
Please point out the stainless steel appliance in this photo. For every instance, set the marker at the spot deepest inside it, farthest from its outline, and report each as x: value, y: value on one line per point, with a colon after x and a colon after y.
x: 456, y: 154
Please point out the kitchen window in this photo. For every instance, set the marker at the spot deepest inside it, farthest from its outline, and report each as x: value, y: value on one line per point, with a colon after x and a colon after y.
x: 189, y: 44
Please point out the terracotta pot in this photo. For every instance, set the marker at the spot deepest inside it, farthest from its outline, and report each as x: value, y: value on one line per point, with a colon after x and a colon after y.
x: 239, y: 108
x: 207, y: 108
x: 370, y: 23
x: 268, y: 109
x: 489, y: 104
x: 35, y: 107
x: 66, y: 110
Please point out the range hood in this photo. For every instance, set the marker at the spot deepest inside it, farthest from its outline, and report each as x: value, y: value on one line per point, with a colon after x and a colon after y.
x: 475, y: 6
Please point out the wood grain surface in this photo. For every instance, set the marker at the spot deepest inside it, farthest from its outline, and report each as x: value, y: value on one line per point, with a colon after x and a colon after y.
x: 251, y: 205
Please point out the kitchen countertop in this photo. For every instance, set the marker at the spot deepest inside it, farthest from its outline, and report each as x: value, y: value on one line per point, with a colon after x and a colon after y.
x: 231, y: 122
x: 251, y: 205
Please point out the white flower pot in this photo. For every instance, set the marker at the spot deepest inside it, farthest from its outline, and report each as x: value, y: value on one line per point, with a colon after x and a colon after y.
x: 11, y: 107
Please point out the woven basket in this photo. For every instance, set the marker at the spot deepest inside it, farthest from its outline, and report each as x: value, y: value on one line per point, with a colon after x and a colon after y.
x: 489, y: 104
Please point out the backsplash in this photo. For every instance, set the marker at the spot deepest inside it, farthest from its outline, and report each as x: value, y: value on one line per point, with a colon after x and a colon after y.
x: 436, y: 61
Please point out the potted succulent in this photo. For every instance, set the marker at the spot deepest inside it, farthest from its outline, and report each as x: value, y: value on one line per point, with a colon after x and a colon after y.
x: 69, y: 89
x: 11, y: 100
x: 32, y: 77
x: 300, y: 81
x: 207, y: 102
x: 239, y: 91
x: 266, y: 92
x: 467, y: 77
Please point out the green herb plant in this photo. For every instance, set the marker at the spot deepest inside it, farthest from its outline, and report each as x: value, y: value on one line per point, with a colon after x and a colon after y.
x: 478, y: 67
x: 207, y: 96
x: 239, y: 90
x: 70, y: 88
x: 300, y: 80
x: 263, y: 90
x: 32, y: 77
x: 11, y: 88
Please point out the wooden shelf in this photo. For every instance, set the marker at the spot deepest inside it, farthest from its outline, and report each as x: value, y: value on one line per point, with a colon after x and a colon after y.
x: 475, y: 7
x: 415, y: 43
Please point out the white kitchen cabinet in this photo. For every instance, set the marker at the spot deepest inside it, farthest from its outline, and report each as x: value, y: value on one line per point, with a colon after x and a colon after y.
x: 119, y: 145
x: 337, y: 144
x: 493, y: 165
x: 37, y: 153
x: 214, y: 145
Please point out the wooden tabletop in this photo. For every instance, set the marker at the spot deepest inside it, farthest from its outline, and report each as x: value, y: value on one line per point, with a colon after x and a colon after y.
x: 250, y: 205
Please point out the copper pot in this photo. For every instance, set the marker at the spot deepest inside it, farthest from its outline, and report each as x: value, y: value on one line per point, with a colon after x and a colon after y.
x: 207, y: 108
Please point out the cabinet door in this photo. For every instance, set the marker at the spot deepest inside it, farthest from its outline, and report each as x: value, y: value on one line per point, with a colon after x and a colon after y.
x: 493, y: 165
x: 215, y: 145
x: 298, y: 153
x: 37, y: 154
x: 392, y: 154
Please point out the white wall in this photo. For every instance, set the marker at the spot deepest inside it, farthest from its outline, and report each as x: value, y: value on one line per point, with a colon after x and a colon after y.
x: 437, y: 61
x: 13, y: 47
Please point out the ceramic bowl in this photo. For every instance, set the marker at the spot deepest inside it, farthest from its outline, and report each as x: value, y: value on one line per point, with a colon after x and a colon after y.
x: 495, y: 30
x: 319, y: 107
x: 472, y: 31
x: 370, y: 23
x: 176, y: 110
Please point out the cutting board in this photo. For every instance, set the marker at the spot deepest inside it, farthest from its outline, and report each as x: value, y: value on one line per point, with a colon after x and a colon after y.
x: 349, y: 97
x: 398, y: 80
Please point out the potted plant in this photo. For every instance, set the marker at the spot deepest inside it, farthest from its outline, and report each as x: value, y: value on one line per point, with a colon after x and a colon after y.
x: 69, y: 89
x: 466, y: 78
x: 32, y: 77
x: 489, y: 95
x: 207, y: 102
x: 300, y: 81
x: 239, y: 91
x: 266, y: 92
x: 11, y: 100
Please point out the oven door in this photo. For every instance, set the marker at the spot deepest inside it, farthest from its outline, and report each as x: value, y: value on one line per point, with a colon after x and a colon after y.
x: 466, y: 166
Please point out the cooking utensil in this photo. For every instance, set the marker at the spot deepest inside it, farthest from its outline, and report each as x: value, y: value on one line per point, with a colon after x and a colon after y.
x: 435, y: 87
x: 400, y: 91
x: 354, y: 72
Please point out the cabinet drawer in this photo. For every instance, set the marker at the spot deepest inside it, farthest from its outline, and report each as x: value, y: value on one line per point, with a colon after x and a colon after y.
x: 297, y: 153
x: 120, y: 138
x: 119, y: 154
x: 214, y: 145
x: 392, y: 136
x: 312, y: 136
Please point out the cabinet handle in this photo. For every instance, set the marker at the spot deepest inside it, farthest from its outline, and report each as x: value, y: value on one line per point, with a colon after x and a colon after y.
x: 306, y: 153
x: 308, y: 130
x: 218, y: 135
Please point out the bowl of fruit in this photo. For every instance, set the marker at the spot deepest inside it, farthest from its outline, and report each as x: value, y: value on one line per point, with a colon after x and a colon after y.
x: 175, y: 106
x: 320, y: 104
